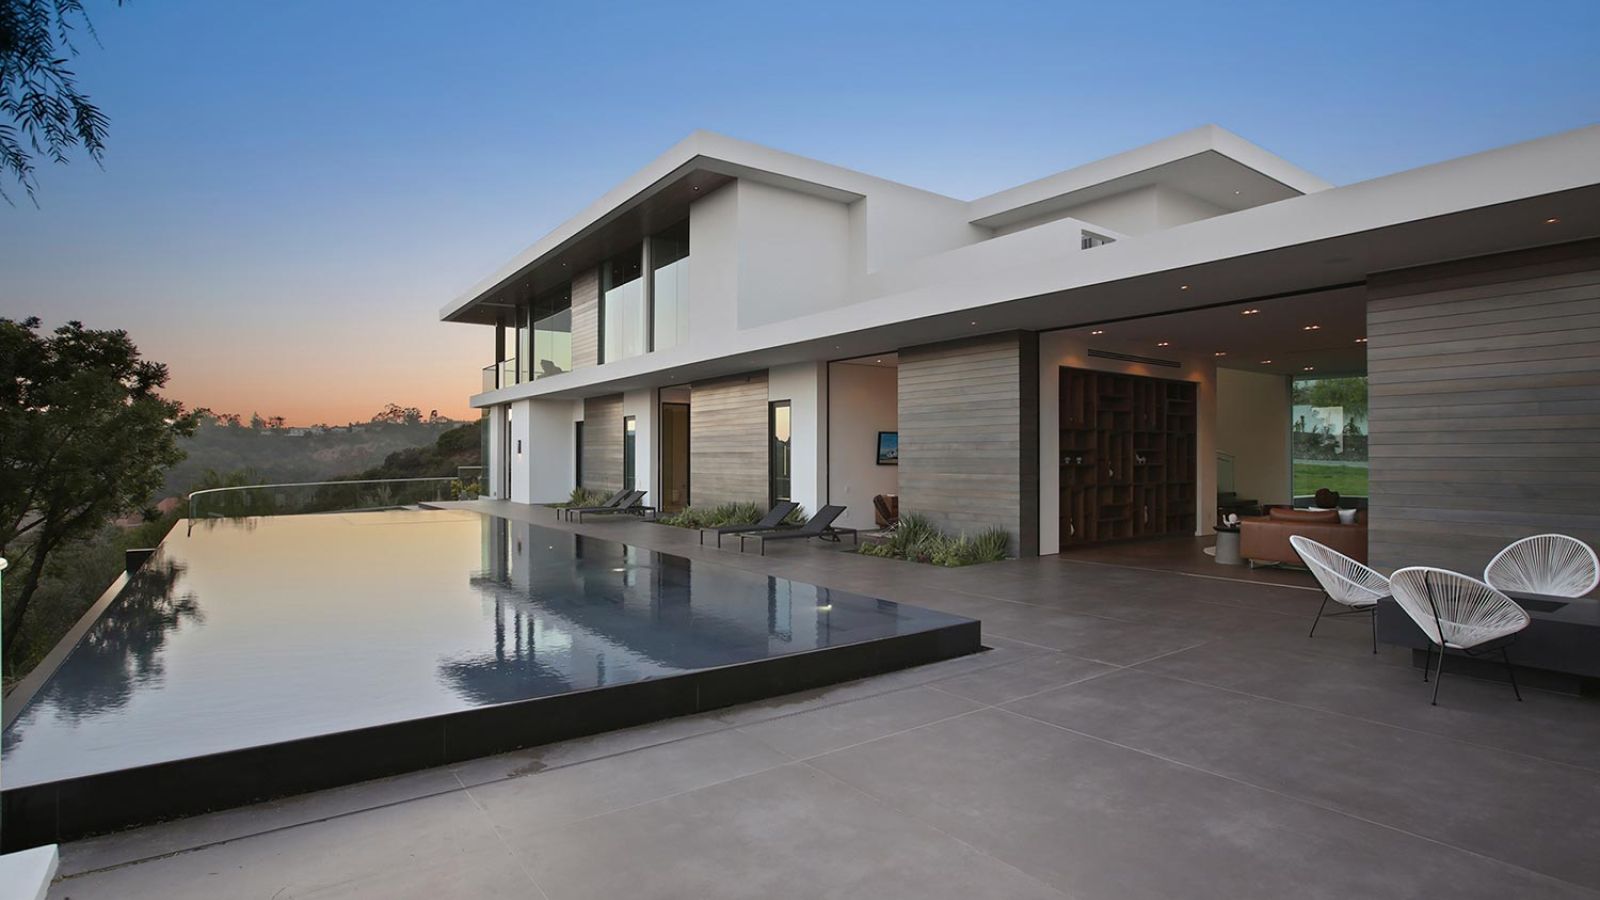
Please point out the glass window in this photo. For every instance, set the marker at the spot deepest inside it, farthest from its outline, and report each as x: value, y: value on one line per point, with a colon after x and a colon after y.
x: 630, y: 455
x: 669, y: 257
x: 524, y: 346
x: 1328, y: 430
x: 552, y: 332
x: 779, y: 479
x: 623, y: 319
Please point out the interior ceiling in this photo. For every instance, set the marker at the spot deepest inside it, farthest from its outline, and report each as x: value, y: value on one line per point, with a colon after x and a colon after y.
x: 1321, y: 331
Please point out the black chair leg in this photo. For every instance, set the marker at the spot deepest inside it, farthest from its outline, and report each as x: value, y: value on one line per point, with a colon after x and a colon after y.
x: 1511, y: 673
x: 1427, y: 662
x: 1374, y: 631
x: 1438, y: 676
x: 1314, y: 622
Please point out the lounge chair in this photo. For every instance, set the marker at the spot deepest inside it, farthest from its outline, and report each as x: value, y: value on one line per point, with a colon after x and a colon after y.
x: 613, y: 500
x: 818, y: 526
x: 616, y: 502
x: 772, y: 521
x: 632, y: 505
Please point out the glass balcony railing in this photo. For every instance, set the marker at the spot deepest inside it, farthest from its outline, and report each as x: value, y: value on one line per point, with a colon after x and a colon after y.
x: 500, y: 374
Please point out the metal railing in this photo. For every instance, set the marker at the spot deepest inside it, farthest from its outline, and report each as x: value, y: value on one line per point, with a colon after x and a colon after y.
x: 288, y: 498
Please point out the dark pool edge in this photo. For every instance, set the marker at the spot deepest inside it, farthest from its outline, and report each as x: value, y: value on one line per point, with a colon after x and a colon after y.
x: 73, y: 808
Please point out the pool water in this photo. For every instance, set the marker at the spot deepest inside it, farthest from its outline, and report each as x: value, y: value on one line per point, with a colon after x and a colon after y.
x: 257, y: 631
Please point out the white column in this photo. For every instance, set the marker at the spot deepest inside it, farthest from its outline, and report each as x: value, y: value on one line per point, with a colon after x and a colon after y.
x: 805, y: 386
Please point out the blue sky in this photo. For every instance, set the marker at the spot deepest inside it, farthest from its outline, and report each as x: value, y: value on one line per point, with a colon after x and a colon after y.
x: 292, y: 190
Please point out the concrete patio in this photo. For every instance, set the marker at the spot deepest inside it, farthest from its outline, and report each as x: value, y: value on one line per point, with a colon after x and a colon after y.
x: 1132, y: 733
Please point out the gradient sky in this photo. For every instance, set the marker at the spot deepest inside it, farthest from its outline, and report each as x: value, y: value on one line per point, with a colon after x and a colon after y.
x: 293, y: 189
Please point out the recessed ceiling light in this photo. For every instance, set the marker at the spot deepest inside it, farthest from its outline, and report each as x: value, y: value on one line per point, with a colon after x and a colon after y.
x: 972, y: 323
x: 880, y: 360
x: 1183, y: 287
x: 1098, y: 331
x: 1236, y: 193
x: 1249, y: 312
x: 1312, y: 327
x: 1220, y: 353
x: 1361, y: 340
x: 1552, y: 220
x: 1266, y: 362
x: 1163, y: 343
x: 1308, y: 368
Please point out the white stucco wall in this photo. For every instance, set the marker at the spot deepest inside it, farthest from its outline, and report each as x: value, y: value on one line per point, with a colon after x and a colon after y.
x: 1253, y: 426
x: 495, y: 483
x: 714, y: 265
x: 546, y: 470
x: 862, y: 401
x: 805, y: 386
x: 1069, y: 348
x: 794, y: 254
x: 642, y: 406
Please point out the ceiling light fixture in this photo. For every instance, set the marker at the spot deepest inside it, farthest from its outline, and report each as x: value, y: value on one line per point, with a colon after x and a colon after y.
x: 1098, y: 331
x: 1183, y: 287
x: 1552, y: 221
x: 1249, y: 312
x: 972, y: 323
x: 1163, y: 343
x: 1308, y: 368
x: 1361, y: 340
x: 1266, y: 362
x: 1312, y: 327
x: 1220, y: 353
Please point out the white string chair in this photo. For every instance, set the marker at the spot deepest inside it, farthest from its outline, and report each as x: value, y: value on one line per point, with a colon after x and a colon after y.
x: 1343, y: 580
x: 1458, y: 612
x: 1551, y: 564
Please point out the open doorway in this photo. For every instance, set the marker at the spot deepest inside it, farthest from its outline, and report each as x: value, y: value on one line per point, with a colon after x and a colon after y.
x: 863, y: 439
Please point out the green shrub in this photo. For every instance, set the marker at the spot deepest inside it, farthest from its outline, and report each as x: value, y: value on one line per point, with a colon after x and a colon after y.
x: 582, y: 496
x: 916, y: 539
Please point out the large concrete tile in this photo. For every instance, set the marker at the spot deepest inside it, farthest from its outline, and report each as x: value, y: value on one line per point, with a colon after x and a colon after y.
x: 1029, y: 675
x: 551, y: 756
x: 791, y: 832
x: 521, y: 806
x: 842, y: 724
x: 231, y: 824
x: 424, y: 849
x: 1557, y: 727
x: 1100, y: 821
x: 1510, y: 807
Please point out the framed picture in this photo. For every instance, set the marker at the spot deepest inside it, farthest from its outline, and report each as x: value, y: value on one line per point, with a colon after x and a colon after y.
x: 888, y: 448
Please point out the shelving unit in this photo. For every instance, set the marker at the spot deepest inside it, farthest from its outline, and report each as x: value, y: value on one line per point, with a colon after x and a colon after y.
x: 1127, y: 457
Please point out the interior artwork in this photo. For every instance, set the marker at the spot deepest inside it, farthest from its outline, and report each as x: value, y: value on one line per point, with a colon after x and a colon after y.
x: 888, y: 448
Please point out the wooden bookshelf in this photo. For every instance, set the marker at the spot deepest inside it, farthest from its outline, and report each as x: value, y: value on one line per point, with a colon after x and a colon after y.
x: 1128, y: 458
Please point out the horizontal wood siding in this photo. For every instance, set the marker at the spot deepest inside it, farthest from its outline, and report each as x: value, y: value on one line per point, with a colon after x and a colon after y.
x: 728, y: 453
x: 602, y: 443
x: 1484, y: 405
x: 969, y: 436
x: 586, y: 319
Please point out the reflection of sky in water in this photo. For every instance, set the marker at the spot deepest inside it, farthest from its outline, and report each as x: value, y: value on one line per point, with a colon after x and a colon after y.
x: 293, y: 626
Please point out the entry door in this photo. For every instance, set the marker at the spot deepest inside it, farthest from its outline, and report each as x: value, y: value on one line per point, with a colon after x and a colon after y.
x: 674, y: 456
x: 779, y: 479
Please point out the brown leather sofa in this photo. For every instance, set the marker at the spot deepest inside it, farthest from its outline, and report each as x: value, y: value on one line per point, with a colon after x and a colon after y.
x: 1266, y: 538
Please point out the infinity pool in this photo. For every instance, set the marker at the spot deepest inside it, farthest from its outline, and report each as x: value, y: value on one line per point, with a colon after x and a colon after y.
x: 256, y: 632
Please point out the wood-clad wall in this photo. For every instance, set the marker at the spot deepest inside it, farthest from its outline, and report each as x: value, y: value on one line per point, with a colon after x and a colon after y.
x: 969, y: 435
x: 728, y: 452
x: 586, y: 319
x: 602, y: 443
x: 1485, y: 405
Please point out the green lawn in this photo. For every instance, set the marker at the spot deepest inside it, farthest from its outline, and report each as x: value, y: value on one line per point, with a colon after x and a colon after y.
x: 1348, y: 481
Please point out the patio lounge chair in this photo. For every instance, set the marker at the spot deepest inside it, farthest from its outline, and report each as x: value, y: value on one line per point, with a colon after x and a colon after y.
x: 1343, y: 581
x: 1458, y: 612
x: 818, y: 526
x: 617, y: 502
x: 1551, y: 564
x: 631, y: 505
x: 772, y: 521
x: 613, y: 500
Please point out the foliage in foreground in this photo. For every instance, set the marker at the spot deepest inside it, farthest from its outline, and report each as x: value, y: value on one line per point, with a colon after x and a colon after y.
x: 725, y: 514
x: 916, y: 539
x: 582, y: 496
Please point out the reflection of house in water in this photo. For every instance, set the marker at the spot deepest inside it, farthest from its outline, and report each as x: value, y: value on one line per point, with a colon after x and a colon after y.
x: 571, y: 613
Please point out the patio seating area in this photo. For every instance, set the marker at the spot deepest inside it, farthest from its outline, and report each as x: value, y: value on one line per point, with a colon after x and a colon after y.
x: 1131, y: 733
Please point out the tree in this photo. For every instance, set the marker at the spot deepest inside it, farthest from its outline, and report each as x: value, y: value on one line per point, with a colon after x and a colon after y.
x: 84, y: 438
x: 41, y: 109
x: 396, y: 414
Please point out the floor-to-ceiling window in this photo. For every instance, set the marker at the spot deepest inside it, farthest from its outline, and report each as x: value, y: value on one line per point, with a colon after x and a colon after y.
x: 779, y: 477
x: 674, y: 456
x: 669, y: 258
x: 577, y: 454
x: 630, y: 453
x: 1328, y: 435
x: 552, y: 332
x: 524, y: 345
x: 624, y: 320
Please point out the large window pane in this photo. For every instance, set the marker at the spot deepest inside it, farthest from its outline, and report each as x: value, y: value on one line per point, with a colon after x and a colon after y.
x: 779, y: 475
x: 1329, y: 435
x: 669, y: 256
x: 524, y: 346
x: 623, y: 319
x: 630, y: 452
x: 552, y: 332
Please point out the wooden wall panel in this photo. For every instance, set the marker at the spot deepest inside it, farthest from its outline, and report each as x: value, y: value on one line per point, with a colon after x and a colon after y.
x: 728, y: 453
x: 586, y: 319
x: 602, y: 443
x: 1485, y: 405
x: 969, y: 436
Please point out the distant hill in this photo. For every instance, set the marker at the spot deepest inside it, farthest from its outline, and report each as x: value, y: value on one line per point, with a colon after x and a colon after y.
x: 323, y: 453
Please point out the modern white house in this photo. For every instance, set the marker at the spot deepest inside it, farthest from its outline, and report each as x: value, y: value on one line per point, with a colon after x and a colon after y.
x: 1089, y: 357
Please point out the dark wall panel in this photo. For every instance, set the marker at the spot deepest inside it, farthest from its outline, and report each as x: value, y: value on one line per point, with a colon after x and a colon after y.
x: 1485, y: 405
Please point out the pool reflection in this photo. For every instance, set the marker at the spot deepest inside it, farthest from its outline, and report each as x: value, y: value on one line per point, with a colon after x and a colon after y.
x: 292, y: 626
